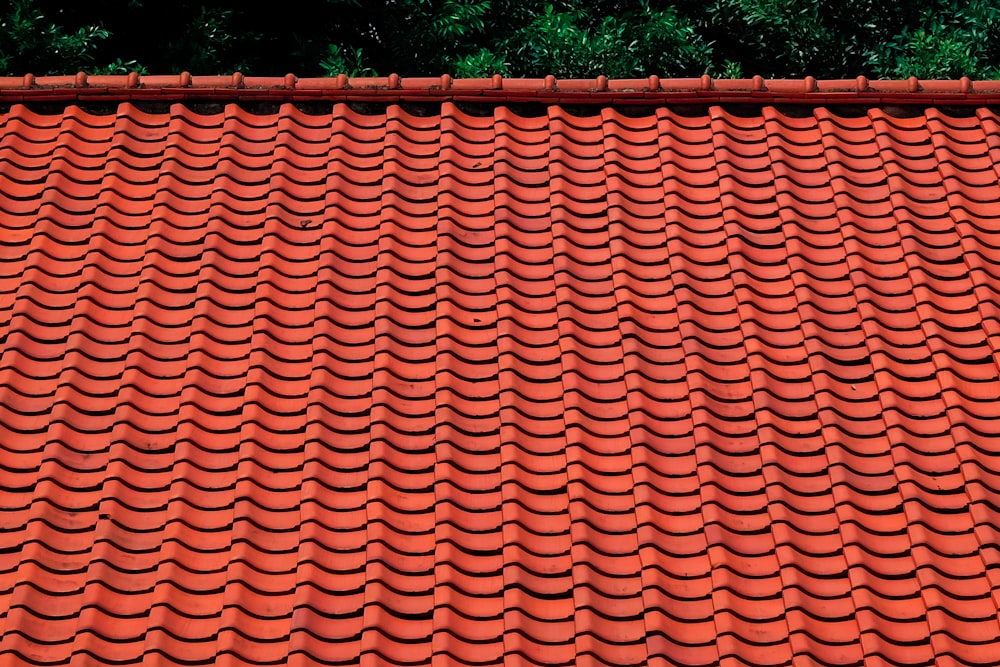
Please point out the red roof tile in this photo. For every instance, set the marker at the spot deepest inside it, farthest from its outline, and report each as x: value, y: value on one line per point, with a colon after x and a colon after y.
x: 385, y: 388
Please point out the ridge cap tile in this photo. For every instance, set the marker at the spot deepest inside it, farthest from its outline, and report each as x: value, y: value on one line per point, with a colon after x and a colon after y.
x: 599, y: 90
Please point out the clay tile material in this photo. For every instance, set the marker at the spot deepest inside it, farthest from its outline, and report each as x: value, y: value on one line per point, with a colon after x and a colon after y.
x: 345, y: 385
x: 650, y: 91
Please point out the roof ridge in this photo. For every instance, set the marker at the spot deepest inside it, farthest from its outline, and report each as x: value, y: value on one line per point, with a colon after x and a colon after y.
x: 497, y: 89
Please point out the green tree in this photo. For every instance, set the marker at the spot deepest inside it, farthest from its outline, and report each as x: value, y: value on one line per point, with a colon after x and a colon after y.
x: 878, y: 38
x: 30, y: 41
x: 949, y: 39
x: 567, y: 38
x: 578, y: 41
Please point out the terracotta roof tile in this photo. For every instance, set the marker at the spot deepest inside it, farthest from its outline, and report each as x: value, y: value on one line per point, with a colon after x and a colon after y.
x: 358, y: 386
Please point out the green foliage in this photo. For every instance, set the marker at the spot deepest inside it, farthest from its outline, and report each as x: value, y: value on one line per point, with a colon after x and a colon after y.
x: 730, y: 70
x: 795, y: 38
x: 433, y: 34
x: 670, y: 43
x: 950, y: 40
x: 577, y: 42
x: 342, y: 61
x: 456, y: 19
x: 787, y: 38
x: 29, y: 40
x: 208, y: 38
x: 551, y: 44
x: 483, y: 63
x: 478, y: 38
x: 118, y: 66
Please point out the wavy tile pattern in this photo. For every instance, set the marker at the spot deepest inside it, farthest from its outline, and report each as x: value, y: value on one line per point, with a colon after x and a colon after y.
x: 441, y: 390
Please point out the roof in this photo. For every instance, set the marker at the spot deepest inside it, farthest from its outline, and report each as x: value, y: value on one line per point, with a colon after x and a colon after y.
x: 680, y: 387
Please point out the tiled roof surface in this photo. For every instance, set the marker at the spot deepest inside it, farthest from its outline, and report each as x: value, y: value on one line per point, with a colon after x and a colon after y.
x: 467, y: 389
